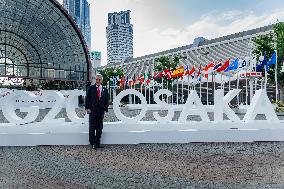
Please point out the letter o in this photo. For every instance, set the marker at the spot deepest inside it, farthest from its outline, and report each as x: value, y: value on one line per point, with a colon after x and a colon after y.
x: 120, y: 115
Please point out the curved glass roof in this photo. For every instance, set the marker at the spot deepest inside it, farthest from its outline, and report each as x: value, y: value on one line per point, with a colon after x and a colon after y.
x: 38, y: 39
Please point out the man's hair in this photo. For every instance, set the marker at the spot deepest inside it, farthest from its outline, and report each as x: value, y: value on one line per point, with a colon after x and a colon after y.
x: 99, y: 75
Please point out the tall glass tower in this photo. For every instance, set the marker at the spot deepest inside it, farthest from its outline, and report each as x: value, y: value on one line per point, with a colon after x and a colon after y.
x: 80, y: 11
x: 119, y: 37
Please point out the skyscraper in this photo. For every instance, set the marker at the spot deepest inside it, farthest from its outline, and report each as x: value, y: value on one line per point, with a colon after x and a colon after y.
x: 80, y: 11
x: 119, y: 37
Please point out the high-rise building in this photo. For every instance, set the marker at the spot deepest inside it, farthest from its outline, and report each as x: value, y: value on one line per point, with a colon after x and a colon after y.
x: 119, y: 37
x: 80, y: 11
x: 95, y: 59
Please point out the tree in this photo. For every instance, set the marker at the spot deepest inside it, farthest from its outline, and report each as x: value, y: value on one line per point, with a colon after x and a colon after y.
x: 166, y: 65
x: 111, y: 73
x: 267, y: 44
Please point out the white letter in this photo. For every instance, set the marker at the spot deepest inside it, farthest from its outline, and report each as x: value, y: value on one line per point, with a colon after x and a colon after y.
x: 261, y: 104
x: 72, y: 104
x: 221, y: 105
x: 163, y: 105
x: 193, y: 106
x: 8, y: 108
x: 120, y: 116
x: 59, y: 98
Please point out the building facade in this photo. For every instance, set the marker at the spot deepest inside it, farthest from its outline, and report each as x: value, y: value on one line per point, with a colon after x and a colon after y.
x: 30, y: 48
x: 96, y: 59
x: 79, y: 10
x: 119, y: 34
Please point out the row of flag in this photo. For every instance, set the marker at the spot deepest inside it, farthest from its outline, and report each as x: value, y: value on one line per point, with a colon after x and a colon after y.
x: 228, y: 68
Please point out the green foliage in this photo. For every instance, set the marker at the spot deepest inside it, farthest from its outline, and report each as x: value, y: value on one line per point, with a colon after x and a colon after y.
x: 164, y: 63
x: 269, y: 43
x: 111, y: 72
x: 279, y: 106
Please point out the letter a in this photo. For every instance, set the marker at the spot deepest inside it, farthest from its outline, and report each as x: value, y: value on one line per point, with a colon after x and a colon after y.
x: 261, y: 104
x: 193, y: 106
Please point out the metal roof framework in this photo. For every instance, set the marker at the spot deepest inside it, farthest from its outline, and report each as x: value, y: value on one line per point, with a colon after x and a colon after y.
x: 38, y: 39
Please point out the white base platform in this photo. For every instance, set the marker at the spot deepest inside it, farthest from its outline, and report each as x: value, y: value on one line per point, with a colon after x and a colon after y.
x: 143, y: 132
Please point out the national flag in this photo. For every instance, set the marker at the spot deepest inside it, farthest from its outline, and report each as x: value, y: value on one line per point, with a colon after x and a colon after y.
x: 217, y: 66
x: 271, y: 61
x: 148, y: 80
x: 199, y: 73
x: 233, y: 66
x: 259, y: 67
x: 126, y: 82
x: 178, y: 72
x: 122, y: 82
x: 192, y: 71
x: 224, y: 66
x: 243, y: 64
x: 186, y: 71
x: 208, y: 69
x: 167, y: 73
x: 156, y: 75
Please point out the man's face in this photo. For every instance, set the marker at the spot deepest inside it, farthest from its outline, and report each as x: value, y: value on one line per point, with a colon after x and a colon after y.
x: 98, y: 80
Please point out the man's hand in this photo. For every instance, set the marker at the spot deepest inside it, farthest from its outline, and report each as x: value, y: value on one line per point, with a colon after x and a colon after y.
x: 88, y: 111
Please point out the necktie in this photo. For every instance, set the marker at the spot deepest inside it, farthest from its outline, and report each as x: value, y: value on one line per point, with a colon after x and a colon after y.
x: 99, y: 92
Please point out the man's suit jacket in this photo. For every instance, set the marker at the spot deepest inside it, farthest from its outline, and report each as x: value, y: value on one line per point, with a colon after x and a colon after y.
x: 97, y: 105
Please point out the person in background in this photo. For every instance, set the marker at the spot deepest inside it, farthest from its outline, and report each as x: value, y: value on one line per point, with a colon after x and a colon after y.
x: 96, y: 105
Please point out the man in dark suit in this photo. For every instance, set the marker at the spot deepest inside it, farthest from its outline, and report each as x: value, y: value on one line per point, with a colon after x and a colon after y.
x: 96, y: 105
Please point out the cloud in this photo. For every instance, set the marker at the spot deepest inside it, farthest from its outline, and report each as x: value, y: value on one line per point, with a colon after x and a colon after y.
x: 212, y: 25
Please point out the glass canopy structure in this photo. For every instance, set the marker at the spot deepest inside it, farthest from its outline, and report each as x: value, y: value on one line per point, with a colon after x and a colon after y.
x: 39, y: 40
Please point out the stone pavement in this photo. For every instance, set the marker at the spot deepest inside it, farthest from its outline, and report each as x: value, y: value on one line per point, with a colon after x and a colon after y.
x: 193, y: 165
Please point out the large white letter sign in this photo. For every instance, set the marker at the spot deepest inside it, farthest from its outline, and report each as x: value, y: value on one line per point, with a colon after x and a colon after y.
x: 60, y: 100
x: 8, y: 108
x: 120, y: 115
x: 261, y: 104
x: 72, y: 104
x: 164, y: 106
x: 193, y: 106
x: 221, y: 105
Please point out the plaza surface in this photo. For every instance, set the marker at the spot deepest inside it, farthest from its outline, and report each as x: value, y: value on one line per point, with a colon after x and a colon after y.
x: 192, y: 165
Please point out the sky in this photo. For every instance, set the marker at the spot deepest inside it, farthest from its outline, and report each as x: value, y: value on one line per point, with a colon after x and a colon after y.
x: 160, y: 25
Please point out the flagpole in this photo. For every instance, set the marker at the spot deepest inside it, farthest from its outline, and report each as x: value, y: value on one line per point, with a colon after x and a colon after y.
x: 167, y: 100
x: 182, y: 91
x: 276, y: 84
x: 177, y: 93
x: 207, y: 91
x: 246, y: 91
x: 134, y: 83
x: 255, y: 84
x: 238, y: 83
x: 188, y: 86
x: 200, y: 89
x: 265, y: 81
x: 172, y: 92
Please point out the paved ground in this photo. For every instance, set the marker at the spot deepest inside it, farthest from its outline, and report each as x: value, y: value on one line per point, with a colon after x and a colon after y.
x: 193, y: 165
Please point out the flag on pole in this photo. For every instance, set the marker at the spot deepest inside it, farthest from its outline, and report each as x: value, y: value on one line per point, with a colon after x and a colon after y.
x: 224, y: 66
x: 259, y: 67
x: 233, y: 66
x: 192, y: 71
x: 243, y: 64
x: 271, y: 61
x: 186, y: 71
x: 217, y: 66
x: 126, y: 82
x: 199, y: 73
x: 208, y: 69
